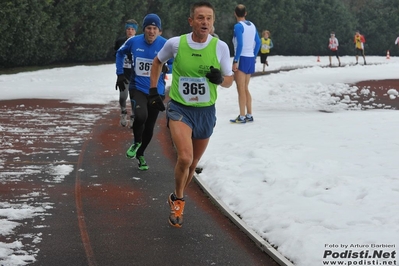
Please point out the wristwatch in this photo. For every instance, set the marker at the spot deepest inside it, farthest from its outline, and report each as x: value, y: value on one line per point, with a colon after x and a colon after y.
x: 235, y: 61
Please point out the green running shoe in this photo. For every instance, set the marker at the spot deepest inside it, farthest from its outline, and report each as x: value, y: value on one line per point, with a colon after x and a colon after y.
x: 131, y: 152
x: 142, y: 163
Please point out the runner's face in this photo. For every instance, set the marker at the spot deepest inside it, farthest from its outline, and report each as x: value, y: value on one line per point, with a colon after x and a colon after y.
x: 202, y: 23
x: 151, y: 33
x: 130, y: 32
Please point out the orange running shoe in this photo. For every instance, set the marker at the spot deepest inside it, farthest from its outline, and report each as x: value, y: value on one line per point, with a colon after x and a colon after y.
x: 176, y: 211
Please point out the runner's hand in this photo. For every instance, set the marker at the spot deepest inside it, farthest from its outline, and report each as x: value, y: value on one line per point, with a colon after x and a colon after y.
x: 215, y: 76
x: 121, y: 81
x: 155, y: 100
x: 165, y: 68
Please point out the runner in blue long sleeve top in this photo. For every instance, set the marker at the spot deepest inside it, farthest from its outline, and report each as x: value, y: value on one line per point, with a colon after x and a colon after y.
x: 144, y: 48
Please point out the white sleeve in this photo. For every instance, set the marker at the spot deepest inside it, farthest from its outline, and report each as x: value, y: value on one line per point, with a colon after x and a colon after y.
x: 169, y: 50
x: 397, y: 40
x: 223, y: 54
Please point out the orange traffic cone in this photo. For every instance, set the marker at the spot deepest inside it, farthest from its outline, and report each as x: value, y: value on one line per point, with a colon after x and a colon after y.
x: 318, y: 58
x: 388, y: 56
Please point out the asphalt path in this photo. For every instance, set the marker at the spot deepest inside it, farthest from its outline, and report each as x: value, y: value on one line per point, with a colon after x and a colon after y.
x: 106, y: 211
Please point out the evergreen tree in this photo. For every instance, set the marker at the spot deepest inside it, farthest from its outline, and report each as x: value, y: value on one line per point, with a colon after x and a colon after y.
x: 41, y: 32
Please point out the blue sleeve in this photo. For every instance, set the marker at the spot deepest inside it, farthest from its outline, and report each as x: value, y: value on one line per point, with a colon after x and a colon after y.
x: 120, y: 55
x: 257, y: 44
x: 238, y: 30
x: 271, y: 44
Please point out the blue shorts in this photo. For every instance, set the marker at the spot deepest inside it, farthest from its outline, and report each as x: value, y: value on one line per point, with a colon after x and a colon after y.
x: 201, y: 120
x: 247, y: 64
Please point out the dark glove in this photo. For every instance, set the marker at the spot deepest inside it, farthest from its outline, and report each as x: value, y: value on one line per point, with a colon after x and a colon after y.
x: 121, y: 82
x: 215, y: 76
x: 155, y: 100
x: 165, y: 68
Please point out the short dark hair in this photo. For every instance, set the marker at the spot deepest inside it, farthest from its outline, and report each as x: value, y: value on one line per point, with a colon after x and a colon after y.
x: 240, y: 11
x: 200, y: 4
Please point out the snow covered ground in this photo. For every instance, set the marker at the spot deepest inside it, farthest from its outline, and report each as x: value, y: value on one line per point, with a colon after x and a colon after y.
x: 322, y: 187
